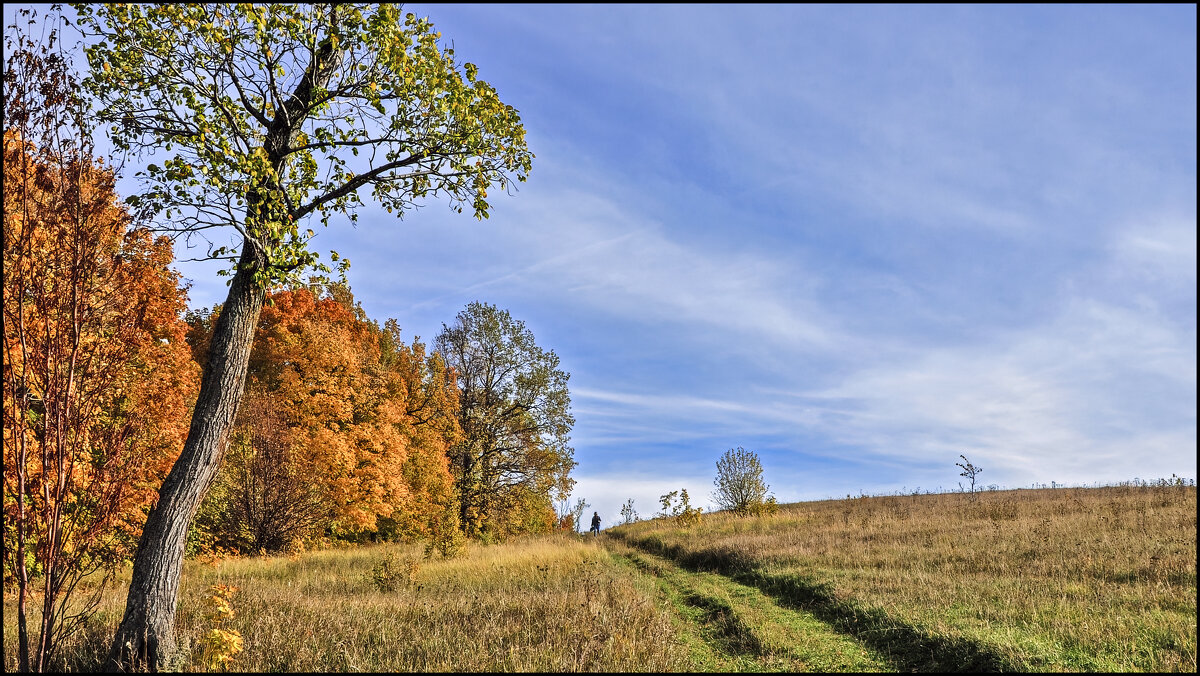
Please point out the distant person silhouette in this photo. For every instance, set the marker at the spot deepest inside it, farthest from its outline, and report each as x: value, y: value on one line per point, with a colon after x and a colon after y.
x: 595, y: 523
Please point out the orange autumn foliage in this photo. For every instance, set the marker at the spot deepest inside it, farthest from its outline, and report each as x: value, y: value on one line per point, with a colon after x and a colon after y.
x: 98, y: 378
x: 318, y: 359
x: 361, y: 416
x: 431, y: 400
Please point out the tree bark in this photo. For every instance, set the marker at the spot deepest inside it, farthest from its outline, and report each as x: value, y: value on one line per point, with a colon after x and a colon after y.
x: 146, y: 636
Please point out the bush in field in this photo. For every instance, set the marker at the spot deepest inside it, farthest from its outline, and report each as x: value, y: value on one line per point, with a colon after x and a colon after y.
x: 221, y: 644
x: 739, y: 482
x: 445, y: 536
x: 766, y: 508
x: 391, y: 573
x: 682, y: 511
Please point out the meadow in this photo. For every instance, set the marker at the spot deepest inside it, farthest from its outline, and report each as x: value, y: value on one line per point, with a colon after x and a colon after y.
x: 1099, y: 579
x: 537, y: 604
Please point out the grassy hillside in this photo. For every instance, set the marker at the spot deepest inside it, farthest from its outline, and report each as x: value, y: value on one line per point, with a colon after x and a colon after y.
x: 1068, y: 579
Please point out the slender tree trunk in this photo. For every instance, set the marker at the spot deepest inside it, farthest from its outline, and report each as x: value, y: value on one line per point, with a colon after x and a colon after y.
x: 466, y: 495
x: 146, y: 638
x: 22, y: 569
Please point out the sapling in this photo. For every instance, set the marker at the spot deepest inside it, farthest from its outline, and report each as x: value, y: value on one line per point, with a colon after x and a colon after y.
x: 970, y: 471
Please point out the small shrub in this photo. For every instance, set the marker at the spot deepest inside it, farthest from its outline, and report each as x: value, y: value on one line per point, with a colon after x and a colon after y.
x: 446, y: 537
x: 386, y: 574
x: 767, y: 507
x: 969, y: 471
x: 628, y: 513
x: 221, y: 645
x: 392, y: 573
x: 689, y: 517
x: 682, y: 511
x: 449, y: 543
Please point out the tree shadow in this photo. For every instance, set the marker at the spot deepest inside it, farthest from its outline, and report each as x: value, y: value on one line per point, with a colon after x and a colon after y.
x: 904, y: 646
x: 734, y: 637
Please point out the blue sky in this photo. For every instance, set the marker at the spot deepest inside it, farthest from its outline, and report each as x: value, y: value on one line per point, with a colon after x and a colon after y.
x: 858, y: 241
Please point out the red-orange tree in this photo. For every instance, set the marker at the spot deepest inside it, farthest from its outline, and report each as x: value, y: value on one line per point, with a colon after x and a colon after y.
x: 97, y: 377
x: 426, y: 386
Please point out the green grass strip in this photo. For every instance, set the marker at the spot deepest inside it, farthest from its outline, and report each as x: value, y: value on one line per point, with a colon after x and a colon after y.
x: 905, y: 647
x: 740, y: 628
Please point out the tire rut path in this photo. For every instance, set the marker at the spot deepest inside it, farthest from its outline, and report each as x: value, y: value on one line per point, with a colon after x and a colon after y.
x: 729, y: 625
x: 901, y: 646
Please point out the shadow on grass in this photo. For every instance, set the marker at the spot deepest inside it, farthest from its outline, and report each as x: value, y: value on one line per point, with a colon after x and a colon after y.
x: 735, y: 638
x: 729, y: 635
x: 906, y: 647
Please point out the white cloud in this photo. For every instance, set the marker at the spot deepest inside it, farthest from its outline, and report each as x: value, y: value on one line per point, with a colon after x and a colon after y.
x: 1101, y: 389
x: 666, y: 417
x: 1160, y: 249
x: 615, y: 263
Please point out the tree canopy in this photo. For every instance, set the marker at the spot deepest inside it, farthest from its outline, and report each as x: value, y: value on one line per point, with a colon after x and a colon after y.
x: 739, y: 482
x: 269, y: 113
x: 514, y: 414
x: 344, y: 427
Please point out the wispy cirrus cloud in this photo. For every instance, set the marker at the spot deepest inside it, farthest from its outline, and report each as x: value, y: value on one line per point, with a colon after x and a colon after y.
x: 1102, y: 392
x: 1161, y: 250
x: 859, y: 240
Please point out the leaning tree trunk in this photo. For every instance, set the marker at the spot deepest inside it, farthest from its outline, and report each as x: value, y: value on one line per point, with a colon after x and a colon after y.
x: 146, y: 636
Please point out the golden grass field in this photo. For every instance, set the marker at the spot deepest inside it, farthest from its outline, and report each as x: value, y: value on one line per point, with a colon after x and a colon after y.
x: 545, y: 604
x: 1098, y: 579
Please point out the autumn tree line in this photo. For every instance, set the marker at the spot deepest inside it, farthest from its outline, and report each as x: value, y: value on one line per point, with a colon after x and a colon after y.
x: 345, y: 431
x: 134, y: 429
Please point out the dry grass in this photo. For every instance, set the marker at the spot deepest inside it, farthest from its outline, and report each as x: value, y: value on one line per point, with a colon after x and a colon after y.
x: 1100, y: 579
x: 552, y: 604
x: 1045, y: 580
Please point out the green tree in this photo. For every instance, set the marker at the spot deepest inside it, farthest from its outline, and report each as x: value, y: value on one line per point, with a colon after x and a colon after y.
x: 682, y: 510
x: 739, y: 482
x: 266, y: 115
x: 514, y: 417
